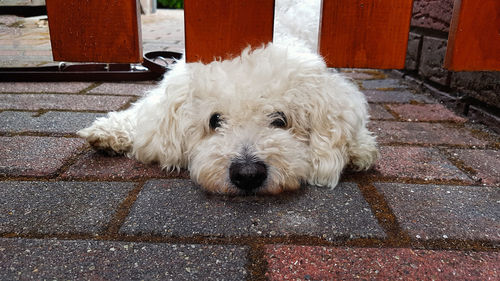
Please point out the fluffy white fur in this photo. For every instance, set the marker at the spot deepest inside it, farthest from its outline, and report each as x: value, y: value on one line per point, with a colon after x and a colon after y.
x: 325, y: 114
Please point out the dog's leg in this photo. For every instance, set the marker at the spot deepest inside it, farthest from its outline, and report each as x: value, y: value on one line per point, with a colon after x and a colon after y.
x: 112, y: 134
x: 363, y: 151
x: 327, y: 165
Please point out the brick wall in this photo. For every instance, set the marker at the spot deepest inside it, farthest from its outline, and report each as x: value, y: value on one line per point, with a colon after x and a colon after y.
x: 468, y: 91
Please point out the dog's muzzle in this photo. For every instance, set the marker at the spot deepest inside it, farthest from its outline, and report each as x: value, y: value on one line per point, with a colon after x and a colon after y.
x: 248, y: 174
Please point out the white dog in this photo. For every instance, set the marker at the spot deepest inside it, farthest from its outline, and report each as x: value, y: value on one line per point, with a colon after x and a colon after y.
x: 266, y: 121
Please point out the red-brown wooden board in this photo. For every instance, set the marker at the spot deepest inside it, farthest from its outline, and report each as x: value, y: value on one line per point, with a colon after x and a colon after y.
x: 222, y: 29
x: 95, y: 30
x: 365, y: 33
x: 474, y: 39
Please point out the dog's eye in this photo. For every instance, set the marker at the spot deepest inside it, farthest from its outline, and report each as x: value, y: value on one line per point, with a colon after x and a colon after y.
x: 215, y: 121
x: 279, y: 120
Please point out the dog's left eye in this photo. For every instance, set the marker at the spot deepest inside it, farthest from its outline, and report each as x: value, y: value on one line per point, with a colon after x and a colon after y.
x: 279, y: 120
x: 215, y: 121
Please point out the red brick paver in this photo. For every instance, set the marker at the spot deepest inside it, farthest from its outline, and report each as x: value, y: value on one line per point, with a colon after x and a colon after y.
x: 362, y: 75
x: 417, y: 163
x: 327, y: 263
x: 35, y: 156
x: 425, y: 112
x: 95, y: 165
x: 486, y: 163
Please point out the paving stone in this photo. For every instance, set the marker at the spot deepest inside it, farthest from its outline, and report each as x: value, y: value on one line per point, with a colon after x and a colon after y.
x: 378, y: 112
x: 43, y: 87
x: 375, y: 73
x: 425, y: 112
x: 7, y: 20
x: 485, y: 162
x: 11, y: 62
x: 96, y: 165
x: 394, y: 97
x: 288, y: 262
x: 417, y: 163
x: 35, y: 156
x: 442, y: 211
x: 165, y: 45
x: 30, y: 259
x: 123, y: 89
x: 384, y: 84
x: 422, y: 133
x: 59, y: 207
x: 50, y: 122
x: 358, y: 75
x: 179, y: 208
x: 61, y: 101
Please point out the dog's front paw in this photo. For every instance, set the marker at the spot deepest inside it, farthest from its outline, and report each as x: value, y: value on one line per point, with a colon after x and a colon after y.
x: 107, y: 142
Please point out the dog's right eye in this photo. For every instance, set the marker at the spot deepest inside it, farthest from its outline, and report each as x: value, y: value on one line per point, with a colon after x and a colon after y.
x: 215, y: 121
x: 279, y: 120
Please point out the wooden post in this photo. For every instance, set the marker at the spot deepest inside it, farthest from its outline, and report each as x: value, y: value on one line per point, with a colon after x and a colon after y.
x: 222, y: 29
x: 95, y: 30
x: 365, y: 33
x: 474, y: 38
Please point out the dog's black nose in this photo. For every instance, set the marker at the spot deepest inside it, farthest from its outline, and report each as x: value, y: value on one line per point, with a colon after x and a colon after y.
x: 248, y: 175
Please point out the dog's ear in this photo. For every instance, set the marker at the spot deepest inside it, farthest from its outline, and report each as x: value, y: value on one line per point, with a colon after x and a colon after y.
x: 162, y: 122
x: 333, y: 112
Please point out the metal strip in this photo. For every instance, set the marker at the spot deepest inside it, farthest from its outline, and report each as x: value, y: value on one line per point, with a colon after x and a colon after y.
x: 93, y: 72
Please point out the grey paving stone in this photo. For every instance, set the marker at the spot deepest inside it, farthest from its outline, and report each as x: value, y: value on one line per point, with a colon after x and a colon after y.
x: 179, y: 208
x: 378, y: 112
x: 35, y: 156
x: 422, y: 133
x: 47, y: 87
x: 30, y: 259
x: 61, y: 101
x: 382, y: 84
x: 123, y: 89
x: 395, y: 97
x: 442, y: 211
x: 59, y: 207
x: 425, y: 112
x: 50, y: 122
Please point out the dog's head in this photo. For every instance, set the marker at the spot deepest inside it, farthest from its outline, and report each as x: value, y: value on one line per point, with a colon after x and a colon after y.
x: 261, y: 123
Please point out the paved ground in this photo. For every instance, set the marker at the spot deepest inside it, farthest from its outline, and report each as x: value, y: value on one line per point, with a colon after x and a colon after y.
x: 429, y: 210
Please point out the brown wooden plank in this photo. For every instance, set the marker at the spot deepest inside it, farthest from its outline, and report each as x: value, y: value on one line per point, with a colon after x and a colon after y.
x: 365, y: 33
x: 223, y: 28
x: 95, y: 30
x: 474, y: 38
